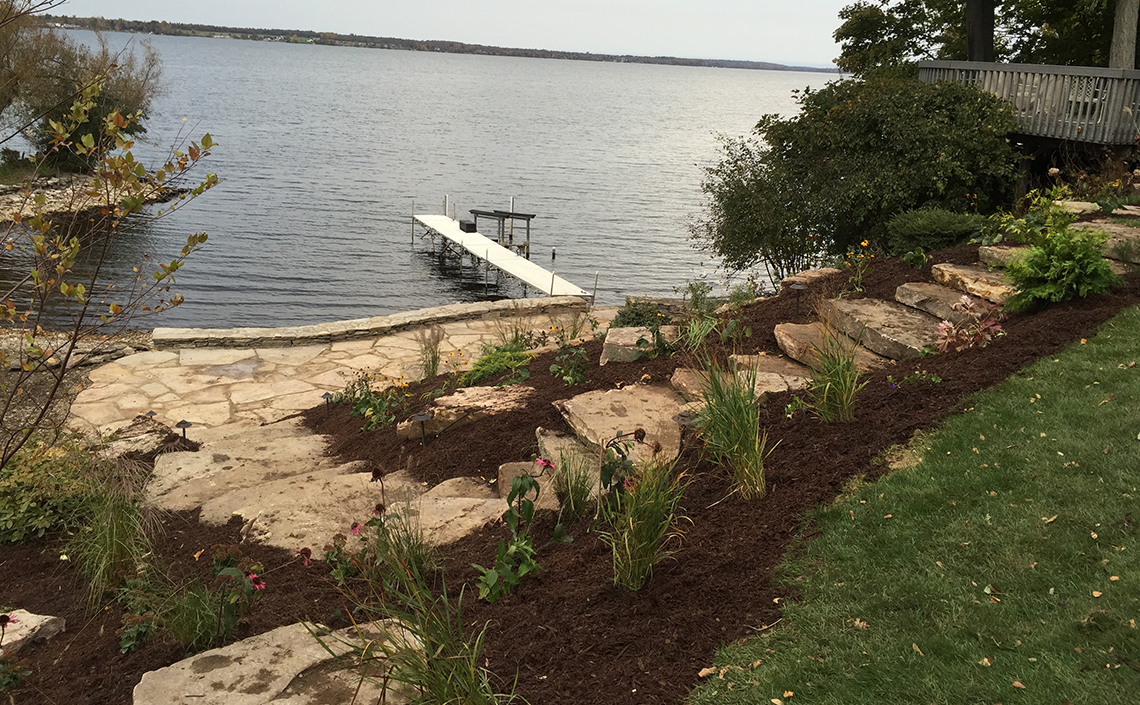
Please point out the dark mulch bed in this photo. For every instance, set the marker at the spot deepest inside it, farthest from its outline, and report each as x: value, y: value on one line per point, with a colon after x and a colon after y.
x: 568, y: 634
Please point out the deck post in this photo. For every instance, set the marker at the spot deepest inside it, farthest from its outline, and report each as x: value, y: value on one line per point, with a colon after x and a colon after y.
x: 594, y: 296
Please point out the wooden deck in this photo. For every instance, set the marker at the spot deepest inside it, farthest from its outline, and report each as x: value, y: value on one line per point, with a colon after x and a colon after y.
x: 1076, y: 103
x: 496, y: 255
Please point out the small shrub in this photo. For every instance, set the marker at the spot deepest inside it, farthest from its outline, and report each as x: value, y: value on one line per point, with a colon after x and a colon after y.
x: 378, y: 399
x: 929, y: 229
x: 916, y: 258
x: 981, y: 327
x: 429, y: 341
x: 572, y: 364
x: 834, y: 378
x: 730, y: 426
x: 700, y: 299
x: 1040, y: 214
x: 634, y: 315
x: 642, y: 522
x: 1062, y: 265
x: 742, y: 294
x: 43, y: 487
x: 515, y: 559
x: 496, y: 360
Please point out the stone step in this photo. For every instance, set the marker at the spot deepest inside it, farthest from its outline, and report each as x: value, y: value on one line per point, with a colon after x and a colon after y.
x: 801, y: 342
x: 597, y: 417
x: 547, y: 499
x: 974, y: 279
x: 1001, y: 255
x: 884, y: 327
x: 286, y: 664
x: 772, y: 374
x: 628, y: 344
x: 1124, y: 243
x: 935, y: 299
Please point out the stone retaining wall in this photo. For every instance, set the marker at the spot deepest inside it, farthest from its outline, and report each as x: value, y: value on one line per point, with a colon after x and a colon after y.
x: 176, y: 338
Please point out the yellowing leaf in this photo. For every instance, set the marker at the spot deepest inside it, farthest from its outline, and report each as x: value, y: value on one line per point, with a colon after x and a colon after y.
x: 199, y: 554
x: 1114, y: 578
x: 706, y: 672
x: 987, y: 662
x: 788, y: 693
x: 1017, y: 684
x: 917, y: 650
x: 1050, y: 520
x: 1097, y: 593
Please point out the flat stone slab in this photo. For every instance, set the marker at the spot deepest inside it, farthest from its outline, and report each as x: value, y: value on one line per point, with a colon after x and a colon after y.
x: 30, y: 628
x: 560, y: 447
x: 974, y: 279
x: 801, y: 341
x: 1079, y: 207
x: 467, y: 405
x: 597, y: 417
x: 885, y: 327
x: 937, y: 300
x: 1001, y: 255
x: 285, y: 665
x: 622, y: 344
x: 808, y: 277
x: 187, y: 480
x: 447, y: 519
x: 691, y: 384
x: 1124, y: 241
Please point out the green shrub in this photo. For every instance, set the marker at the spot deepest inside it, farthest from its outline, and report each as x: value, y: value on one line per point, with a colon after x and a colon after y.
x: 42, y: 488
x: 496, y: 360
x: 1062, y: 265
x: 858, y: 153
x: 930, y: 229
x: 638, y: 315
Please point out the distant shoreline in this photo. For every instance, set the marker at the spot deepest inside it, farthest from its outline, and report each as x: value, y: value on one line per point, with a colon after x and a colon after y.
x: 370, y: 42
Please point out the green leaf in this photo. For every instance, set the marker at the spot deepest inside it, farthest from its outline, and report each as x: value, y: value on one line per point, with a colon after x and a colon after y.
x: 88, y: 141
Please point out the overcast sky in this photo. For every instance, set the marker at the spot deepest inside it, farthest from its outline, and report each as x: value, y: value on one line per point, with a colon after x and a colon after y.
x: 782, y: 31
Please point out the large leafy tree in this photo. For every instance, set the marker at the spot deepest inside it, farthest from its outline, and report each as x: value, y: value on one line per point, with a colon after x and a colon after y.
x: 859, y: 152
x: 886, y: 34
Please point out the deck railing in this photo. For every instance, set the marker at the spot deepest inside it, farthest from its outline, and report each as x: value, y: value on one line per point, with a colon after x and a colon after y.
x: 1078, y: 103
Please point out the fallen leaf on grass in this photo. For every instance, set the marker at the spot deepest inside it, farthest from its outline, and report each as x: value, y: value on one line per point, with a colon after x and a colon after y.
x: 726, y: 669
x: 1097, y: 593
x: 1110, y: 396
x: 860, y: 624
x: 938, y: 563
x: 987, y: 662
x: 1093, y: 534
x: 1114, y: 578
x: 706, y: 672
x: 757, y: 663
x: 917, y: 650
x: 1017, y: 684
x: 788, y: 693
x: 1051, y: 519
x: 777, y: 701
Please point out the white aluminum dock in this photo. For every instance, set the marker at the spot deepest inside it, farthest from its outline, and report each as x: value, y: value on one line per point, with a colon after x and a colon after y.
x: 496, y: 255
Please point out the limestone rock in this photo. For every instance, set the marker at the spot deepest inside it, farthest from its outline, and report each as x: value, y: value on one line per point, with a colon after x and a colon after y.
x: 143, y: 440
x: 470, y: 487
x: 1079, y: 207
x: 691, y: 383
x: 808, y: 277
x: 885, y: 327
x: 547, y: 499
x: 801, y: 342
x: 30, y: 628
x: 622, y: 344
x: 465, y: 406
x: 285, y: 665
x: 974, y: 279
x: 448, y: 519
x: 1000, y: 255
x: 559, y: 447
x: 935, y: 299
x: 597, y: 417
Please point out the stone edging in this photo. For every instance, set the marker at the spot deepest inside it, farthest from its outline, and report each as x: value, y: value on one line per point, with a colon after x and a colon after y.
x: 174, y: 338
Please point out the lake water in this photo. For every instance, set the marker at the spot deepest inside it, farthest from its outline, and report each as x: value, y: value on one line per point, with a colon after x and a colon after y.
x: 325, y: 149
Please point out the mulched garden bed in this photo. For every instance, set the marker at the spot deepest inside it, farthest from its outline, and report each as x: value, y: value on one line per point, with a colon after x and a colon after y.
x: 568, y: 633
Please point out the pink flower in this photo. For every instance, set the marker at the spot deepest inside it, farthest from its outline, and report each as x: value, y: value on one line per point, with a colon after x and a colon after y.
x: 256, y: 582
x: 6, y: 619
x: 544, y: 463
x: 356, y: 529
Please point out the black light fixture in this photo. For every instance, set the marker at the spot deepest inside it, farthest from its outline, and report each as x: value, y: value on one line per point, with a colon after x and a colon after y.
x: 327, y: 396
x: 422, y: 417
x: 150, y: 414
x: 183, y: 424
x: 797, y: 287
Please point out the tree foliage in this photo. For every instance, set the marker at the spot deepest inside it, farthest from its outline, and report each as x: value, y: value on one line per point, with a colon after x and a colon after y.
x: 888, y: 34
x: 858, y: 153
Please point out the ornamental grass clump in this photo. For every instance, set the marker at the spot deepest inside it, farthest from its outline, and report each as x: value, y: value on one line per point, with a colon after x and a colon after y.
x: 730, y: 426
x: 834, y: 377
x: 642, y: 518
x: 573, y: 484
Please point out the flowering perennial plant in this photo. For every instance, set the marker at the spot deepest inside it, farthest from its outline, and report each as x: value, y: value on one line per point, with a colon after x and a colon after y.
x: 977, y: 330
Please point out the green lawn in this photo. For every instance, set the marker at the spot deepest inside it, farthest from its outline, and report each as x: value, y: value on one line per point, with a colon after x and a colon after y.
x: 1004, y: 567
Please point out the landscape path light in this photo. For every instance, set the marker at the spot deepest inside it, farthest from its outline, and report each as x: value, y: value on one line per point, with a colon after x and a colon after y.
x: 183, y: 424
x: 797, y: 287
x: 421, y: 418
x: 327, y: 396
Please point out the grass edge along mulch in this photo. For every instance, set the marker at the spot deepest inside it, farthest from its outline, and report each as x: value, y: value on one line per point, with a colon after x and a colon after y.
x: 1003, y: 567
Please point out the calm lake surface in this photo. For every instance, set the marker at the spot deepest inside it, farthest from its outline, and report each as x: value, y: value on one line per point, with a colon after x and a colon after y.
x: 325, y: 149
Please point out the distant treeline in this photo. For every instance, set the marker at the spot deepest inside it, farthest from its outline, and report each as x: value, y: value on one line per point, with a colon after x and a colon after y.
x: 355, y: 40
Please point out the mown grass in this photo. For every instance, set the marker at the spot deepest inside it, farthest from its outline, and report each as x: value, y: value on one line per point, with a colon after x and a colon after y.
x: 1004, y: 567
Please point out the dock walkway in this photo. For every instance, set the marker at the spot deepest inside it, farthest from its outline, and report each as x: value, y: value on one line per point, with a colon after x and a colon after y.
x: 493, y: 253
